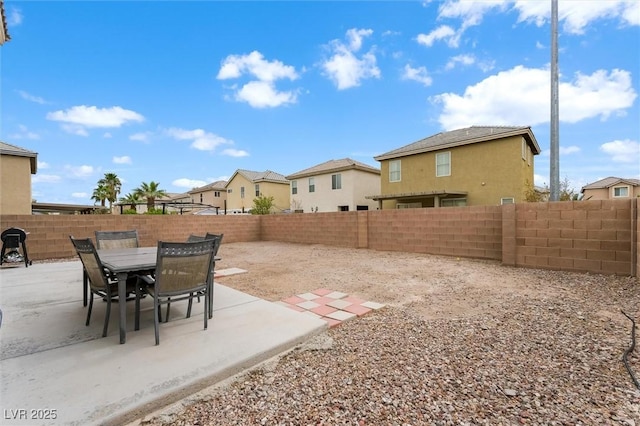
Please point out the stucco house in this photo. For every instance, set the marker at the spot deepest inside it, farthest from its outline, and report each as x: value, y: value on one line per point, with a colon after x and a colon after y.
x: 474, y: 166
x: 16, y: 167
x: 335, y: 185
x: 245, y: 185
x: 213, y: 195
x: 611, y: 188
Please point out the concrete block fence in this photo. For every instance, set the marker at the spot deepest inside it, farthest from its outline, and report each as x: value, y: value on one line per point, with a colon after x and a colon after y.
x: 584, y: 236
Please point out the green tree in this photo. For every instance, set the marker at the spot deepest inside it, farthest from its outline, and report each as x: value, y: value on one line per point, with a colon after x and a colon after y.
x: 262, y: 205
x: 150, y: 191
x: 132, y: 199
x: 100, y: 194
x: 112, y: 183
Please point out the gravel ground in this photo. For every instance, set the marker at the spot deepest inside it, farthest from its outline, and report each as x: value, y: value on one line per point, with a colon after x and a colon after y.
x: 460, y: 342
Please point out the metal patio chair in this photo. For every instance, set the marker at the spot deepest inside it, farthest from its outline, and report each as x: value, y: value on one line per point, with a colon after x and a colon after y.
x: 183, y: 271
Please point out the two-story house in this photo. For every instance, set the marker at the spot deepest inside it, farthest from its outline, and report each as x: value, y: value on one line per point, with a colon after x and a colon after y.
x: 335, y: 185
x: 212, y: 197
x: 16, y: 167
x: 478, y: 165
x: 611, y: 188
x: 246, y: 185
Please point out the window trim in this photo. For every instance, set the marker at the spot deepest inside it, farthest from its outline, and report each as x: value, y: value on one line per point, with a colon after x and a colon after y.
x: 257, y: 188
x: 503, y: 199
x: 336, y: 181
x: 294, y: 187
x: 439, y: 155
x: 312, y: 185
x: 625, y: 187
x: 242, y: 192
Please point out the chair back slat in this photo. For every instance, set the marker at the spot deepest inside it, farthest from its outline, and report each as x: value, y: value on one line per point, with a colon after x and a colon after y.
x: 117, y: 239
x: 91, y: 262
x: 217, y: 238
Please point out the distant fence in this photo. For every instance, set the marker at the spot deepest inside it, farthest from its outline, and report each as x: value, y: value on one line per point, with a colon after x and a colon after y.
x: 585, y: 236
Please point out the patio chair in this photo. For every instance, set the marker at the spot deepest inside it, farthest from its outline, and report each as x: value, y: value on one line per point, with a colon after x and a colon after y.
x: 217, y: 238
x: 117, y: 239
x: 183, y: 271
x: 99, y: 282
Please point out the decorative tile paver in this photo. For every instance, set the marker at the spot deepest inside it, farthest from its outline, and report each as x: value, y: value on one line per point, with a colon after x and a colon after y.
x: 334, y: 307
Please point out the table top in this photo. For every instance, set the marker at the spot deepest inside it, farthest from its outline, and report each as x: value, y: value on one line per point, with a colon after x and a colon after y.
x: 130, y: 259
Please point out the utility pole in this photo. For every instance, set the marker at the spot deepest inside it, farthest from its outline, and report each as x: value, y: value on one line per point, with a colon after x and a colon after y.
x: 555, y: 128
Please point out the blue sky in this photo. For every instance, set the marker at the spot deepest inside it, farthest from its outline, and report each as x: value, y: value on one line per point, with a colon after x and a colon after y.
x: 185, y: 93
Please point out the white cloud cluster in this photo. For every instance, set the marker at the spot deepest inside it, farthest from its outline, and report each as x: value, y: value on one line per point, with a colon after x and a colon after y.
x: 344, y: 67
x: 140, y: 136
x: 125, y: 159
x: 79, y: 171
x: 261, y: 92
x: 521, y: 96
x: 188, y: 183
x: 31, y: 98
x: 14, y: 17
x: 204, y: 141
x: 24, y: 133
x: 622, y: 151
x: 420, y: 74
x: 77, y: 119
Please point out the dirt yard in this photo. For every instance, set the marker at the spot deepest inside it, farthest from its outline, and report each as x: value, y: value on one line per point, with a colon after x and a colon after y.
x: 460, y: 342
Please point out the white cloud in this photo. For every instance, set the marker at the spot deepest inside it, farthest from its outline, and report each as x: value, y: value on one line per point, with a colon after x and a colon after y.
x: 91, y: 116
x: 539, y: 180
x: 107, y: 135
x: 346, y: 69
x: 140, y: 137
x: 188, y: 183
x: 443, y: 32
x: 419, y: 74
x: 262, y: 92
x: 74, y: 129
x: 80, y: 195
x: 624, y: 151
x: 254, y: 64
x: 80, y: 171
x: 460, y: 59
x: 42, y: 165
x: 24, y: 133
x: 520, y: 96
x: 125, y: 159
x: 31, y: 98
x: 39, y: 178
x: 201, y: 140
x: 568, y: 150
x: 14, y: 17
x: 235, y: 152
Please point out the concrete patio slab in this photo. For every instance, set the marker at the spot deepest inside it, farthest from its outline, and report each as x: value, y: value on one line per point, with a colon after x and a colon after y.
x: 49, y: 360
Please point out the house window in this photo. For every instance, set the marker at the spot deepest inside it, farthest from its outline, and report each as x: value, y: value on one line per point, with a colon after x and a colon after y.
x: 242, y: 192
x: 361, y: 208
x: 394, y: 171
x: 216, y: 194
x: 294, y: 187
x: 336, y: 181
x: 453, y: 202
x: 200, y: 198
x: 621, y: 191
x: 257, y: 189
x: 524, y: 149
x: 443, y: 164
x: 312, y: 184
x: 507, y: 200
x: 343, y: 208
x: 229, y: 191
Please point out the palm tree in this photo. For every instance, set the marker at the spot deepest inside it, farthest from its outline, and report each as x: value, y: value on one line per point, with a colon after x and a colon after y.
x: 113, y: 185
x: 150, y: 191
x: 132, y: 199
x: 100, y: 194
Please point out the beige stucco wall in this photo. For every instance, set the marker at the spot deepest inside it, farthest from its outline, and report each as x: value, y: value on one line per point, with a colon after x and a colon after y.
x: 607, y: 193
x: 15, y: 185
x: 279, y: 192
x: 487, y: 171
x: 209, y: 197
x: 356, y: 184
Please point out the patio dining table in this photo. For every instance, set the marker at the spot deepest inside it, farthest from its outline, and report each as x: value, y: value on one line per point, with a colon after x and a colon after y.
x: 124, y: 262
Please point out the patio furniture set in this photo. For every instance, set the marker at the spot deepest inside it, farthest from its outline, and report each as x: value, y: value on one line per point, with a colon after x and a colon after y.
x: 119, y: 270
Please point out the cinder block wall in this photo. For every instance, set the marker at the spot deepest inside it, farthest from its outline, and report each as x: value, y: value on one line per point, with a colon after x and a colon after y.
x: 460, y: 231
x: 598, y: 236
x: 333, y: 229
x: 49, y: 234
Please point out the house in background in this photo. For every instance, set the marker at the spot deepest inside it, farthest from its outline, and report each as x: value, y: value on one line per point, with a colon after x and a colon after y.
x: 245, y: 185
x: 474, y: 166
x: 211, y: 197
x: 611, y: 188
x: 16, y: 167
x: 335, y: 185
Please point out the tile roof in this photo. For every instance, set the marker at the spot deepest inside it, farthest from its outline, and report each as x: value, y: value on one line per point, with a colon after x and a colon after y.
x: 219, y: 184
x: 334, y: 166
x: 459, y: 137
x: 4, y: 31
x: 8, y: 149
x: 609, y: 182
x: 266, y: 176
